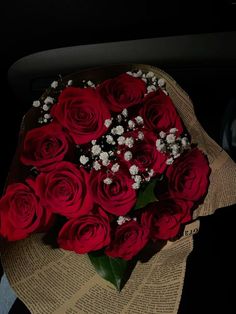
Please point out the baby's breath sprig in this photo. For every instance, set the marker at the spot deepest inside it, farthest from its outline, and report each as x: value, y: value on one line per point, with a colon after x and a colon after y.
x: 170, y: 144
x: 123, y: 219
x: 152, y: 82
x: 50, y: 96
x: 116, y: 144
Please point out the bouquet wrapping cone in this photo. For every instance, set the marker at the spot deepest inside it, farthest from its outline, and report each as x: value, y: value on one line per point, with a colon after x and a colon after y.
x: 51, y: 280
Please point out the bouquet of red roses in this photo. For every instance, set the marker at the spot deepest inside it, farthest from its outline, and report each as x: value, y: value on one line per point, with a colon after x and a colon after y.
x: 110, y: 168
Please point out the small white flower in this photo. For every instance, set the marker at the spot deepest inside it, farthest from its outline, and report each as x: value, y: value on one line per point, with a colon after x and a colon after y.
x: 89, y: 83
x: 122, y: 219
x: 138, y: 178
x: 96, y: 150
x: 107, y: 123
x: 161, y: 148
x: 48, y: 100
x: 105, y: 162
x: 149, y: 74
x: 83, y: 159
x: 133, y: 170
x: 139, y: 73
x: 140, y: 135
x: 119, y: 130
x: 70, y: 82
x: 175, y: 149
x: 170, y: 138
x: 139, y: 119
x: 129, y: 141
x: 113, y: 131
x: 161, y: 82
x: 128, y: 155
x: 154, y: 78
x: 36, y: 103
x: 47, y: 116
x: 173, y: 130
x: 107, y: 181
x: 118, y: 152
x: 125, y: 113
x: 110, y: 153
x: 45, y: 120
x: 131, y: 124
x: 136, y: 186
x: 96, y: 165
x: 104, y: 156
x: 170, y: 161
x: 121, y: 140
x: 45, y: 107
x: 54, y: 84
x: 109, y: 139
x: 151, y: 88
x: 119, y: 118
x: 115, y: 167
x: 162, y: 134
x: 160, y: 145
x: 93, y: 142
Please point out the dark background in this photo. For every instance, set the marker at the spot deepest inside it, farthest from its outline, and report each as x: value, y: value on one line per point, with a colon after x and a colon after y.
x: 31, y: 26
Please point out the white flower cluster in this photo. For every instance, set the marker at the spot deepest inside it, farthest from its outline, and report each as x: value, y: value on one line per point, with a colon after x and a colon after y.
x: 139, y: 177
x: 152, y: 82
x: 122, y: 219
x: 88, y: 84
x: 45, y: 104
x: 172, y: 145
x: 118, y: 141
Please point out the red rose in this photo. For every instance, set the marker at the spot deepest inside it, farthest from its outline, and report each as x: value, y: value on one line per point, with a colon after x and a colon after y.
x: 188, y: 176
x: 64, y: 190
x: 87, y: 233
x: 117, y: 197
x: 144, y: 153
x: 129, y: 239
x: 21, y: 213
x: 159, y: 113
x: 44, y: 146
x: 164, y: 218
x: 122, y: 92
x: 81, y: 112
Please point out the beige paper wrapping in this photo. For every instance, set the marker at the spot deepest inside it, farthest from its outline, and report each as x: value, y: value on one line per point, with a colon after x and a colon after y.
x: 56, y: 281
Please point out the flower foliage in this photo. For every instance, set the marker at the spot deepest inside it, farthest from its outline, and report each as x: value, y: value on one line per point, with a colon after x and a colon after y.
x: 115, y: 161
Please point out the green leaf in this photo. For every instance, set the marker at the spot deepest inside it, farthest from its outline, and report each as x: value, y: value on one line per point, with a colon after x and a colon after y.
x: 147, y: 195
x: 114, y: 270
